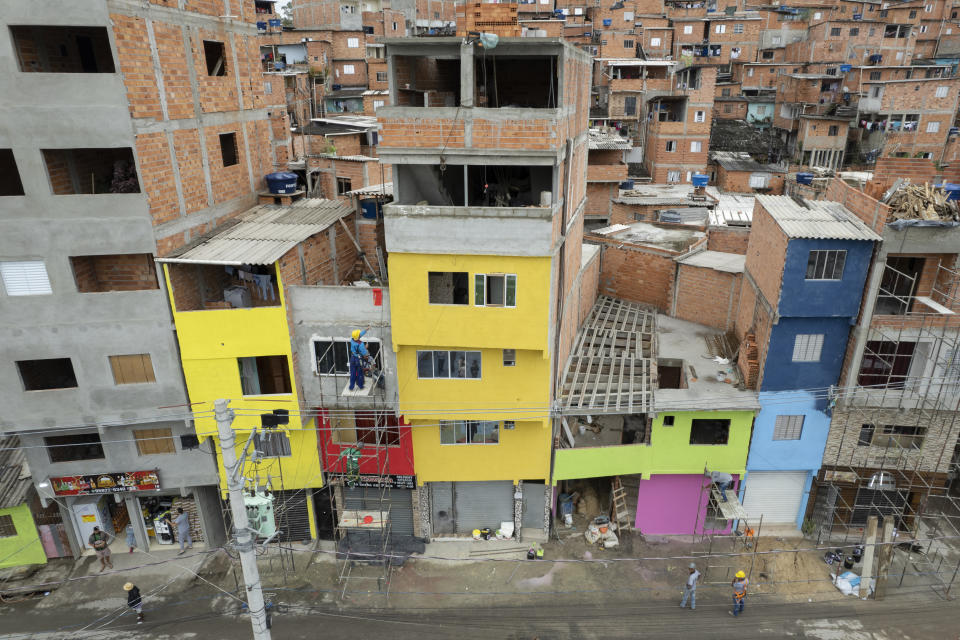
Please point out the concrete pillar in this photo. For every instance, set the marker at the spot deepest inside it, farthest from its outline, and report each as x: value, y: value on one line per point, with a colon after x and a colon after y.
x: 862, y: 328
x: 869, y: 551
x: 884, y: 556
x: 136, y: 519
x: 466, y: 75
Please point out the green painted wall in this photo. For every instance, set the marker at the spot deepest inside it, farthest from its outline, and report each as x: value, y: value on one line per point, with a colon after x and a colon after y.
x: 25, y: 547
x: 669, y: 450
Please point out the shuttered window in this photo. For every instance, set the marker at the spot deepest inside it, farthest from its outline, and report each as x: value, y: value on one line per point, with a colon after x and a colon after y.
x: 132, y: 369
x: 27, y: 278
x: 154, y: 441
x: 807, y: 346
x: 788, y: 428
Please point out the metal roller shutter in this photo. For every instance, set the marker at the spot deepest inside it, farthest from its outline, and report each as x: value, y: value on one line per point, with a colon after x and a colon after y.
x: 291, y: 515
x: 774, y: 494
x: 398, y: 501
x: 482, y: 504
x: 534, y: 503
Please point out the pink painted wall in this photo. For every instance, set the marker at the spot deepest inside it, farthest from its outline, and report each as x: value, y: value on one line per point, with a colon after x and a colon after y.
x: 668, y: 504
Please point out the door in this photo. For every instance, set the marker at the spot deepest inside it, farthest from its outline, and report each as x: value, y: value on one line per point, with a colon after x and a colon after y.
x: 534, y: 503
x: 441, y: 507
x: 776, y: 495
x: 398, y: 501
x: 482, y: 504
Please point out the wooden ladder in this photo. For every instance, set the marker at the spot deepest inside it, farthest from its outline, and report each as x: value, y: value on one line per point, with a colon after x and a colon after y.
x: 621, y: 514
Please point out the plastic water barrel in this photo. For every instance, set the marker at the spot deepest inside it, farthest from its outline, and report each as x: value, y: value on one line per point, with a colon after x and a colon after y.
x: 276, y: 23
x: 627, y: 185
x: 844, y: 68
x: 700, y: 179
x: 607, y: 22
x: 368, y: 209
x: 281, y: 182
x: 952, y: 190
x: 804, y: 178
x: 261, y: 25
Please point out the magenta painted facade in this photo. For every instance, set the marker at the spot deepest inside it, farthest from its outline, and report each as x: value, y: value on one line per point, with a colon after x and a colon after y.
x: 668, y: 504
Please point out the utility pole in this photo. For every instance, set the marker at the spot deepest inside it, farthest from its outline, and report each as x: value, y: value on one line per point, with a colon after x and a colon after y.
x: 244, y: 542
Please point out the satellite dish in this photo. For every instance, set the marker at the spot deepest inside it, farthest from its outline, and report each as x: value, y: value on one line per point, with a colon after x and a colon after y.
x: 489, y: 40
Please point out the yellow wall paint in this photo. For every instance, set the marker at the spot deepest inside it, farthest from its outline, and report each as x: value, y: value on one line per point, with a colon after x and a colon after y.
x: 415, y: 321
x: 522, y: 454
x: 210, y: 343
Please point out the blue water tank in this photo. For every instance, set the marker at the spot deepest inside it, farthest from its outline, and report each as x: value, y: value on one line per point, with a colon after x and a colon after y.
x: 804, y: 178
x: 261, y: 26
x: 700, y: 179
x: 953, y: 191
x: 369, y: 209
x: 607, y: 22
x: 627, y: 185
x: 844, y: 68
x: 276, y: 23
x: 281, y: 182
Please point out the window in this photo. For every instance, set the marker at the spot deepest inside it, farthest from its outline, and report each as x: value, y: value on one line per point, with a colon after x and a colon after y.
x: 7, y: 528
x: 216, y: 57
x: 495, y: 290
x: 264, y: 375
x: 758, y: 181
x: 720, y: 28
x: 750, y: 72
x: 807, y: 346
x: 725, y: 92
x: 700, y: 116
x: 876, y: 92
x: 727, y: 108
x: 27, y: 278
x: 448, y: 364
x: 378, y: 428
x: 509, y: 357
x: 874, y: 75
x: 835, y: 31
x: 154, y: 441
x: 271, y: 443
x: 189, y: 441
x: 448, y: 287
x: 353, y: 43
x: 671, y: 145
x: 654, y: 42
x: 628, y: 44
x: 866, y: 435
x: 688, y: 29
x: 86, y: 171
x: 228, y: 149
x: 348, y: 70
x: 103, y: 273
x: 10, y: 184
x: 628, y: 16
x: 469, y: 432
x: 738, y: 27
x: 933, y: 127
x: 132, y: 369
x: 709, y: 431
x: 381, y: 76
x: 902, y: 436
x: 788, y: 428
x: 267, y: 87
x: 630, y: 106
x: 941, y: 92
x: 833, y: 130
x: 817, y: 15
x: 394, y: 26
x: 49, y: 373
x: 344, y: 185
x: 377, y: 104
x: 673, y: 176
x: 603, y: 43
x: 84, y: 446
x: 855, y: 31
x: 668, y: 421
x: 65, y: 49
x: 923, y: 28
x: 775, y: 40
x: 696, y: 146
x: 333, y: 355
x: 928, y: 8
x: 826, y: 265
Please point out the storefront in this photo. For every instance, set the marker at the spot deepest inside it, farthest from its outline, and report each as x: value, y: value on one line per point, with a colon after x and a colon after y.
x: 461, y: 507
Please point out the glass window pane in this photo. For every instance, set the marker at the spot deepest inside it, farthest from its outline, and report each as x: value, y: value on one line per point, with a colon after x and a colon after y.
x: 476, y: 431
x: 838, y: 270
x: 473, y: 364
x: 830, y: 263
x: 511, y: 291
x: 491, y: 432
x: 324, y: 351
x: 458, y: 361
x: 441, y: 364
x: 461, y: 432
x: 424, y: 364
x: 812, y: 266
x: 447, y: 432
x: 478, y: 296
x: 495, y: 290
x: 340, y: 351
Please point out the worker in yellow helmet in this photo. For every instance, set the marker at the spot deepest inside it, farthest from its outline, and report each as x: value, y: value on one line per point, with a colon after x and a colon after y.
x: 739, y: 584
x: 358, y: 353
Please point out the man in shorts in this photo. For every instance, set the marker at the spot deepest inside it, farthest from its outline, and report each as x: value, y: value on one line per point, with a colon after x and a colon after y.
x: 100, y: 541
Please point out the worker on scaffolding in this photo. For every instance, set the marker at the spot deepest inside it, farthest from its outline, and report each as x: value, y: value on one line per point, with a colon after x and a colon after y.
x: 351, y: 458
x: 722, y: 480
x: 358, y: 355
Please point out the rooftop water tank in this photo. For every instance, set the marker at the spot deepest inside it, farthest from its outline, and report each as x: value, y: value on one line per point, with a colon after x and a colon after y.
x: 700, y: 179
x: 281, y: 182
x: 804, y: 178
x: 952, y: 190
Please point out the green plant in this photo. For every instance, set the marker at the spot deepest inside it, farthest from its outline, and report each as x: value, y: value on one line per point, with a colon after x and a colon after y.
x: 808, y: 527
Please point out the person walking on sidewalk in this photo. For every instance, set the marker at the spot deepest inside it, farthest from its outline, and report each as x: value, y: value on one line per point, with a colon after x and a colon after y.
x: 183, y: 530
x: 739, y: 584
x: 134, y: 601
x: 690, y: 588
x: 100, y: 541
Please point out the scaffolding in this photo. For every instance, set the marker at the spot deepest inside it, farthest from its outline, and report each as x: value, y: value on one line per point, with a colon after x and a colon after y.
x: 893, y: 447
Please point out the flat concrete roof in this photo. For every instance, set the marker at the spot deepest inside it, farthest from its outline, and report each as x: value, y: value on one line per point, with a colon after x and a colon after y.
x: 647, y: 234
x: 716, y: 260
x: 688, y: 341
x: 670, y: 194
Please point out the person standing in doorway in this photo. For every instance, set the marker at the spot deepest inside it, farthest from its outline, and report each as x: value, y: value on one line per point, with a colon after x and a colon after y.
x: 100, y: 541
x: 183, y: 530
x: 739, y: 585
x: 134, y: 601
x: 690, y: 588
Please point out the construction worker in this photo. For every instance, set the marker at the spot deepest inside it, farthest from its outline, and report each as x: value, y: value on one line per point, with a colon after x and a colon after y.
x: 739, y: 584
x: 690, y: 588
x: 723, y: 481
x: 351, y: 457
x: 358, y: 353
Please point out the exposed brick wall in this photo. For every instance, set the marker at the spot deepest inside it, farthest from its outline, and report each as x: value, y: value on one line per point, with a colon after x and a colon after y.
x: 637, y: 274
x: 766, y: 253
x: 707, y: 296
x: 739, y: 181
x: 627, y: 213
x: 598, y: 198
x: 186, y: 144
x: 154, y: 156
x: 728, y: 239
x: 131, y: 272
x: 873, y: 212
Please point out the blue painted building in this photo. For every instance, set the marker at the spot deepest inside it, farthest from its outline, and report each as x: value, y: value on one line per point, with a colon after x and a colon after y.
x: 805, y: 272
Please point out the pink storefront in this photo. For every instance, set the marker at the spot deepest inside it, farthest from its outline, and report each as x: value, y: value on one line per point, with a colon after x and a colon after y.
x: 677, y: 504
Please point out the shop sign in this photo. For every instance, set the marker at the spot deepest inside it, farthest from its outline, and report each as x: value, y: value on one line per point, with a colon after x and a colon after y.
x: 394, y: 482
x: 105, y: 483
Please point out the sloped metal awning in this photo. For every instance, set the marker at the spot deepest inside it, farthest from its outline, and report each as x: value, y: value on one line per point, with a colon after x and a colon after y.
x: 611, y: 369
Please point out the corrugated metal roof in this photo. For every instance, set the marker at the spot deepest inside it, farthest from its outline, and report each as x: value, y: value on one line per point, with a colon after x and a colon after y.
x: 818, y: 219
x: 741, y: 161
x: 14, y: 473
x: 263, y: 234
x: 717, y: 260
x: 385, y: 189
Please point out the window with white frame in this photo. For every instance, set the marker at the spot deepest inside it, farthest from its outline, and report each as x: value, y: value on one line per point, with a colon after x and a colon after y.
x: 495, y: 290
x: 807, y: 346
x: 267, y: 87
x: 353, y: 43
x: 700, y: 116
x: 654, y: 42
x: 933, y: 127
x: 826, y: 265
x: 377, y: 104
x: 449, y: 364
x: 788, y: 428
x: 776, y: 40
x: 469, y: 432
x: 923, y: 28
x: 381, y: 76
x: 688, y: 29
x: 758, y: 181
x: 738, y: 27
x: 696, y: 146
x: 331, y: 356
x: 348, y: 70
x: 673, y: 176
x: 817, y: 15
x: 941, y: 92
x: 928, y: 8
x: 25, y: 278
x: 721, y: 28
